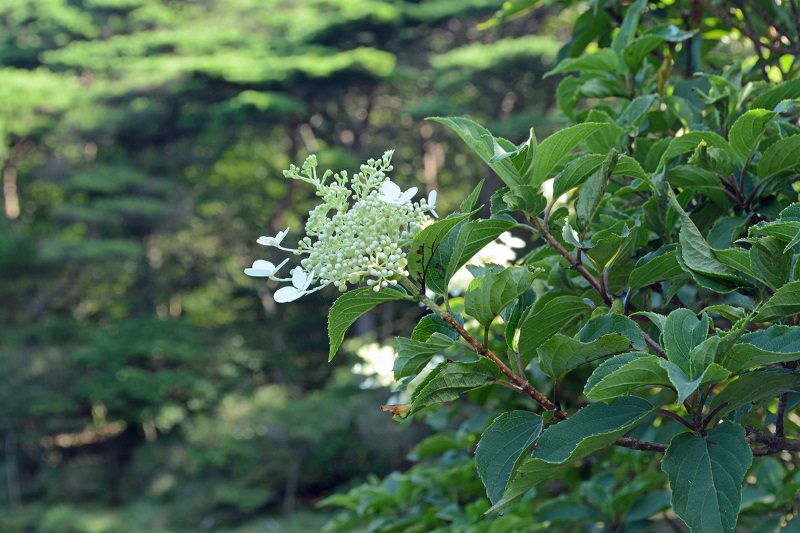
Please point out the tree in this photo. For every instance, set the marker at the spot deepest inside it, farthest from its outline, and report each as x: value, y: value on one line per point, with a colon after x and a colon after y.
x: 656, y: 311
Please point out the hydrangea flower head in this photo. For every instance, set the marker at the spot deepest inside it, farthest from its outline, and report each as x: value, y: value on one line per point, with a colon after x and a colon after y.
x: 357, y: 233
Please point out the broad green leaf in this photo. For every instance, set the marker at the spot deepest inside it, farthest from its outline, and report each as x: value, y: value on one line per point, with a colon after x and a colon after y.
x: 589, y: 200
x: 483, y: 143
x: 736, y: 258
x: 660, y: 321
x: 685, y: 385
x: 706, y: 475
x: 690, y: 141
x: 775, y: 339
x: 433, y: 323
x: 471, y: 201
x: 413, y: 355
x: 561, y: 354
x: 744, y: 356
x: 507, y: 438
x: 576, y: 173
x: 522, y: 158
x: 754, y: 387
x: 774, y: 96
x: 725, y: 231
x: 513, y: 314
x: 450, y: 380
x: 627, y: 30
x: 770, y: 263
x: 782, y: 156
x: 610, y: 250
x: 682, y: 332
x: 624, y: 373
x: 526, y: 198
x: 472, y: 237
x: 785, y: 302
x: 351, y: 305
x: 786, y: 230
x: 613, y: 323
x: 592, y: 428
x: 640, y: 48
x: 604, y: 60
x: 546, y: 321
x: 489, y: 294
x: 747, y: 131
x: 636, y: 112
x: 420, y: 256
x: 554, y: 148
x: 660, y: 268
x: 728, y: 311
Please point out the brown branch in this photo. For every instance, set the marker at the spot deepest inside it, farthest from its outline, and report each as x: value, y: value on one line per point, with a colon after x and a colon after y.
x: 642, y: 445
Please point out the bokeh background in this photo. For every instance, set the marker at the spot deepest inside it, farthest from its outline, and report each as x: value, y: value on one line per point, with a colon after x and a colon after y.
x: 146, y: 383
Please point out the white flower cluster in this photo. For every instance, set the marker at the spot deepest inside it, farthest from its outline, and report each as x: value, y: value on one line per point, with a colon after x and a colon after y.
x: 355, y: 235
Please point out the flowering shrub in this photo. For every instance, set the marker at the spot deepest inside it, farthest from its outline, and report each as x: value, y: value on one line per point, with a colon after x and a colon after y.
x: 663, y: 267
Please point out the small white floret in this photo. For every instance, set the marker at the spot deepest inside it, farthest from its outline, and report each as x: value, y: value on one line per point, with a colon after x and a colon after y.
x: 263, y: 269
x: 392, y: 194
x: 273, y: 241
x: 300, y: 281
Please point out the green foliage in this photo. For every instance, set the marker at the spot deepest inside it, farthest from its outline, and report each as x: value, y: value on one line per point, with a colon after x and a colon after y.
x: 674, y: 197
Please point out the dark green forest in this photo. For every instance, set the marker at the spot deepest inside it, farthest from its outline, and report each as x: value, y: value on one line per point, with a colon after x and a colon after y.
x: 144, y: 376
x: 149, y: 385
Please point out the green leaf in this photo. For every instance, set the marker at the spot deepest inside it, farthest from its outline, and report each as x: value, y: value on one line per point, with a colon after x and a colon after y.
x: 787, y: 230
x: 770, y: 262
x: 754, y: 387
x: 690, y: 141
x: 747, y: 131
x: 682, y: 332
x: 589, y: 200
x: 351, y: 305
x: 627, y: 30
x: 592, y: 428
x: 489, y: 148
x: 661, y: 268
x: 469, y: 203
x: 706, y: 475
x: 736, y: 258
x: 576, y: 173
x: 604, y: 60
x: 613, y: 323
x: 504, y: 442
x: 610, y: 250
x: 472, y: 237
x: 492, y: 292
x: 635, y: 113
x: 624, y: 373
x: 561, y: 354
x: 433, y: 323
x: 775, y: 339
x: 686, y: 384
x: 771, y: 98
x: 744, y: 356
x: 414, y: 355
x: 785, y: 302
x: 425, y: 244
x: 782, y: 156
x: 526, y: 198
x: 546, y: 321
x: 450, y: 380
x: 640, y: 48
x: 554, y: 148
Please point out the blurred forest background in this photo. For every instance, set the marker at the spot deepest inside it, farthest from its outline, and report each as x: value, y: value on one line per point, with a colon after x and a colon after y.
x: 146, y: 383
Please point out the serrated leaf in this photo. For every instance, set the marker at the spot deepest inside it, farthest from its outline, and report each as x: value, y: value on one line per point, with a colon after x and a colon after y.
x: 624, y: 373
x: 485, y: 145
x: 492, y: 292
x: 775, y: 339
x: 754, y: 387
x: 351, y: 305
x: 433, y: 323
x: 736, y: 258
x: 526, y: 198
x: 774, y: 96
x: 414, y: 355
x: 554, y: 148
x: 744, y: 356
x: 636, y: 112
x: 613, y: 323
x: 546, y: 321
x: 590, y: 429
x: 450, y: 380
x: 640, y: 48
x: 785, y: 302
x: 506, y: 439
x: 576, y: 173
x: 604, y: 60
x: 706, y: 475
x: 782, y: 156
x: 786, y: 230
x: 683, y: 331
x: 685, y: 384
x: 661, y: 268
x: 747, y: 131
x: 770, y: 262
x: 610, y: 250
x: 589, y: 200
x: 471, y: 201
x: 627, y: 30
x: 471, y: 238
x: 425, y: 244
x: 561, y: 354
x: 658, y: 320
x: 690, y: 141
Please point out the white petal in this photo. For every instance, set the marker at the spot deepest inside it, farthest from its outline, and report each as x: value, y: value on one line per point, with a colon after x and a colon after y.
x: 267, y: 241
x: 287, y: 294
x: 432, y: 199
x: 390, y: 189
x: 258, y: 273
x: 280, y: 265
x: 280, y: 236
x: 308, y: 281
x: 300, y: 278
x: 408, y: 195
x: 260, y: 264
